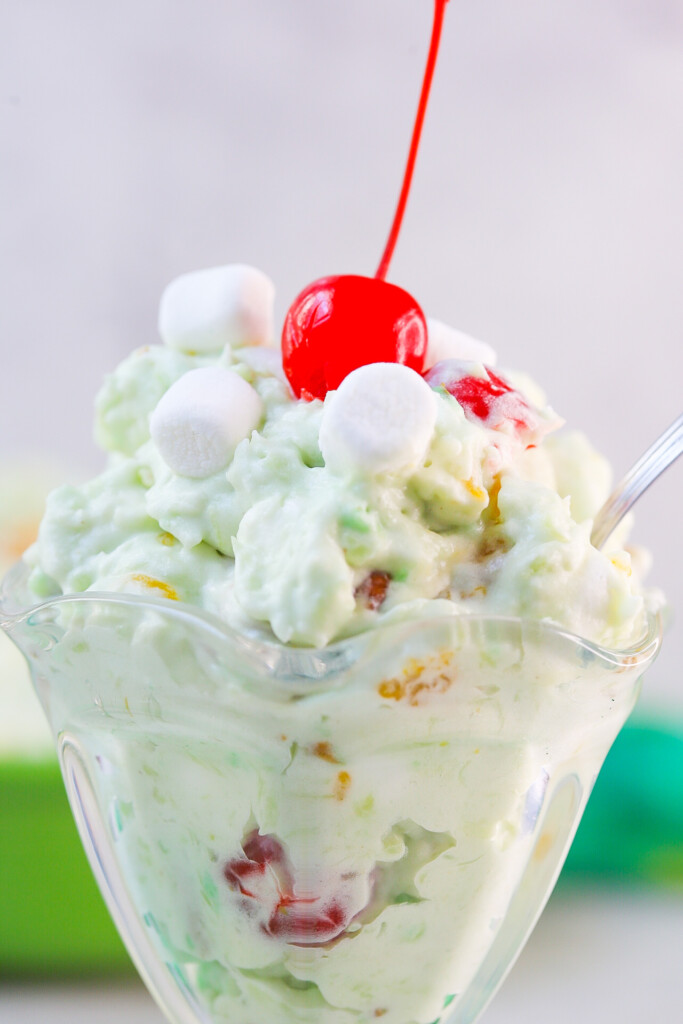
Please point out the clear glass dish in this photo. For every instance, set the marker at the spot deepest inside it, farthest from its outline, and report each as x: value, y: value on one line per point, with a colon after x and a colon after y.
x: 363, y: 832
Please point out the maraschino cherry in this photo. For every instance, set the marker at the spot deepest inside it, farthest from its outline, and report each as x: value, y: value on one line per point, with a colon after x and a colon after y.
x: 263, y: 879
x: 491, y: 400
x: 486, y: 397
x: 339, y: 323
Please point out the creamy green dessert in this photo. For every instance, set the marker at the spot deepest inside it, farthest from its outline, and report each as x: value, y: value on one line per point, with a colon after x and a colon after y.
x: 361, y: 832
x: 493, y: 520
x: 326, y: 702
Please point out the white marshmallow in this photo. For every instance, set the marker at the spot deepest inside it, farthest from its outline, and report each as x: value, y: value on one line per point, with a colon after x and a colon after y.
x: 202, y: 418
x: 444, y: 342
x: 380, y: 420
x: 208, y: 309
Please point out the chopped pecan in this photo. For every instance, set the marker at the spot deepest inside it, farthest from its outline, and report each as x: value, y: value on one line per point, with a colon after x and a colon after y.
x: 372, y: 591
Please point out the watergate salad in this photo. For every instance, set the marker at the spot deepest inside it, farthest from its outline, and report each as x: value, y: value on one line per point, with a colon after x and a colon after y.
x: 313, y: 520
x: 347, y: 855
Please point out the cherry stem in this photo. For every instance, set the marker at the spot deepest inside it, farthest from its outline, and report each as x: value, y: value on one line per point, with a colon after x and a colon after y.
x: 439, y: 10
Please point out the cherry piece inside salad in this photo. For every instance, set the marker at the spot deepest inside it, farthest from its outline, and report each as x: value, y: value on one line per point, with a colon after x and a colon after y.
x: 488, y: 398
x: 491, y: 398
x: 339, y: 323
x: 264, y: 880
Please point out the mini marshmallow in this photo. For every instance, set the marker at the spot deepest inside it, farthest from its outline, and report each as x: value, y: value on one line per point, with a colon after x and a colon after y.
x: 202, y: 418
x: 208, y: 309
x: 380, y: 420
x: 444, y: 342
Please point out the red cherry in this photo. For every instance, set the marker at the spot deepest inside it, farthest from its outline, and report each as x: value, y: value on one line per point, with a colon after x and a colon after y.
x: 262, y: 877
x: 264, y: 868
x: 490, y: 400
x: 303, y: 922
x: 480, y: 397
x: 244, y: 875
x: 340, y: 323
x: 263, y: 849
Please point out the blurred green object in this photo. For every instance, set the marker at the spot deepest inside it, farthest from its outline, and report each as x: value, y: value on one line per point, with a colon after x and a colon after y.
x: 52, y: 917
x: 632, y: 830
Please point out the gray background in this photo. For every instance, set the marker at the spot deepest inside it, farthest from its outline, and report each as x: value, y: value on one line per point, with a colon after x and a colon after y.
x: 149, y: 137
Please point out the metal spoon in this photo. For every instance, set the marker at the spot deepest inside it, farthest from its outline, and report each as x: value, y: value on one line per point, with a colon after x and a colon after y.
x: 649, y: 466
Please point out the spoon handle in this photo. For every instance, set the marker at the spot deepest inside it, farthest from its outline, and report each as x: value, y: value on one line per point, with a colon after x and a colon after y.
x: 649, y: 466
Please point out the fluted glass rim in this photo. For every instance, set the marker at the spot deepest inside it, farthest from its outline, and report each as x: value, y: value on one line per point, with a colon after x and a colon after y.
x: 635, y: 655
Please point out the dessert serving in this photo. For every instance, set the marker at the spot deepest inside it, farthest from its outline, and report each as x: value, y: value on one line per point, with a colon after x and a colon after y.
x: 400, y: 495
x: 330, y: 658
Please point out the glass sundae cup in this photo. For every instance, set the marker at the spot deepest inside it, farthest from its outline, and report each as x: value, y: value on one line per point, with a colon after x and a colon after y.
x: 361, y: 832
